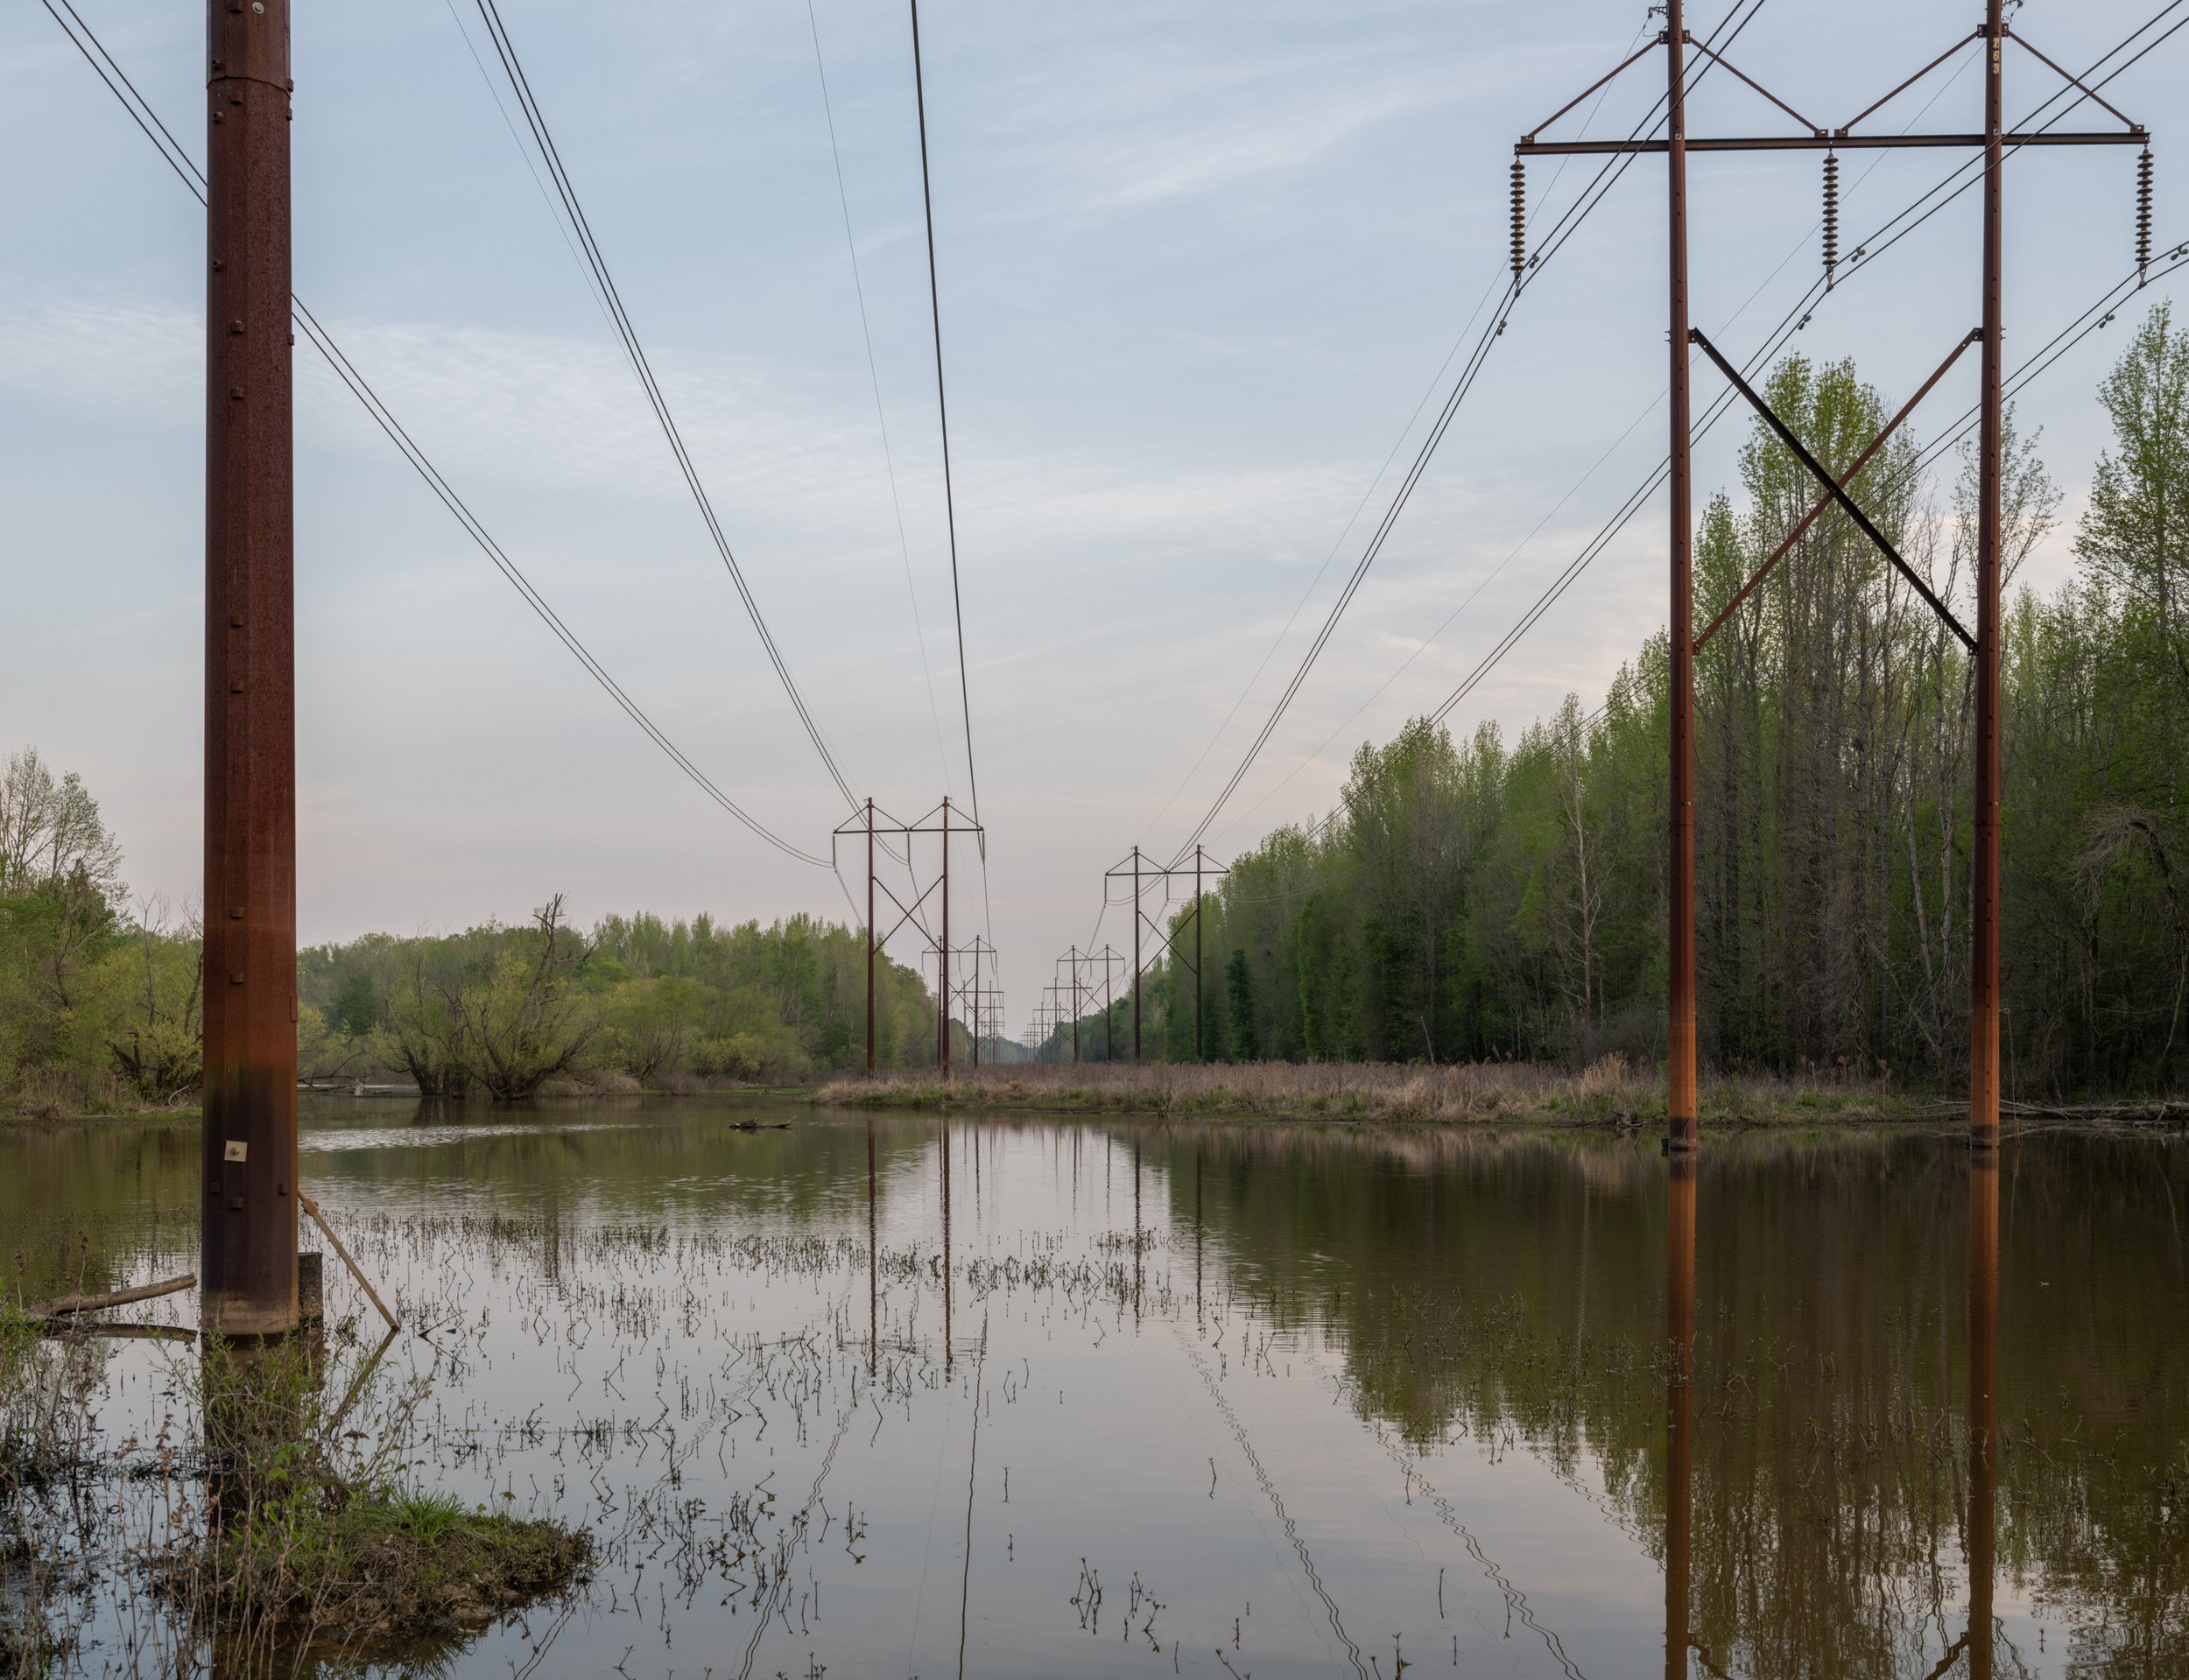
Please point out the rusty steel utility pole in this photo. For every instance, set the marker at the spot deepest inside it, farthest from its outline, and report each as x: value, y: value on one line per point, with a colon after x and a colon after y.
x: 868, y: 825
x: 1983, y: 646
x: 248, y: 1267
x: 1198, y: 988
x: 942, y: 971
x: 1983, y: 930
x: 1136, y: 956
x: 869, y: 938
x: 1680, y: 1101
x: 1143, y: 874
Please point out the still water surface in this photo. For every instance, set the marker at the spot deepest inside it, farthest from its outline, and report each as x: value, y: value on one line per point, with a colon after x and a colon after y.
x: 1016, y: 1396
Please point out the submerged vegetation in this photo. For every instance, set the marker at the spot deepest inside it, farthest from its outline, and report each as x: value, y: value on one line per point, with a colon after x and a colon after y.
x: 270, y: 1514
x: 1180, y: 1341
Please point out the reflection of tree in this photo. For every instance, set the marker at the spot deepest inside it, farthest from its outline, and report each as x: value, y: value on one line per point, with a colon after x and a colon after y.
x: 1830, y: 1439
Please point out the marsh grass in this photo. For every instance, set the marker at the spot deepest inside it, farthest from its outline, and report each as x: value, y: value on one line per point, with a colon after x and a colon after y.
x: 1611, y: 1091
x: 308, y: 1536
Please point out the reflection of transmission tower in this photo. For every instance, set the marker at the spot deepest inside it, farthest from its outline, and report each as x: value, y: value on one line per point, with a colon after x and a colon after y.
x: 1147, y: 877
x: 873, y: 825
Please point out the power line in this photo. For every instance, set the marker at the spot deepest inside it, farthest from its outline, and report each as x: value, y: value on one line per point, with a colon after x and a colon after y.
x: 1353, y: 518
x: 942, y: 410
x: 2081, y: 327
x: 1590, y: 196
x: 873, y: 376
x: 1890, y: 233
x: 140, y: 112
x: 535, y: 119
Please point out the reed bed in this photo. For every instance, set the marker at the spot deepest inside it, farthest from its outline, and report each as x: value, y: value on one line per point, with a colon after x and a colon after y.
x: 1611, y: 1091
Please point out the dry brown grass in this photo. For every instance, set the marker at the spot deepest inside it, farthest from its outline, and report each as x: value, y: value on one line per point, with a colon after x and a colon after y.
x: 1609, y: 1091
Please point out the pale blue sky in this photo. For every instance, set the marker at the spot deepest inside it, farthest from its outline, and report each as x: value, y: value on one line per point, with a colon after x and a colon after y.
x: 1199, y: 266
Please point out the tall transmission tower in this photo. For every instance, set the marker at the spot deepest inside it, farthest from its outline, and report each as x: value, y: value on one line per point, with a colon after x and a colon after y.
x: 873, y: 825
x: 1983, y: 645
x: 1147, y: 877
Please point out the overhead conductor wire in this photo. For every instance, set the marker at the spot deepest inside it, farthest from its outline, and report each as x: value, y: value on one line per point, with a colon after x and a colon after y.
x: 873, y: 376
x: 1361, y: 507
x: 1590, y: 196
x: 140, y: 112
x: 1890, y: 234
x: 512, y: 66
x: 949, y: 500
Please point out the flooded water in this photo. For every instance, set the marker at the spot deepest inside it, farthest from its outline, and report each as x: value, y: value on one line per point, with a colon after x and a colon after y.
x: 1022, y: 1397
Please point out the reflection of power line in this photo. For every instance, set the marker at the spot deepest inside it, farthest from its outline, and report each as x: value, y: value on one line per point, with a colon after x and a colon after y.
x: 1268, y: 1488
x: 1516, y: 1600
x: 794, y: 1534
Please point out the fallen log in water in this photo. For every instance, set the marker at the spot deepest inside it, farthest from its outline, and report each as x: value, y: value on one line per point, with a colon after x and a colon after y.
x: 66, y: 1304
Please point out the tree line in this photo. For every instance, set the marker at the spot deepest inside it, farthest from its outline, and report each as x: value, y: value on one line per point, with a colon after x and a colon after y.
x: 100, y: 992
x: 1467, y: 898
x: 1475, y: 896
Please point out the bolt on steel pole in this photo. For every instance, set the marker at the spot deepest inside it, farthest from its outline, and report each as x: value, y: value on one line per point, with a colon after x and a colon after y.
x: 248, y: 1247
x: 869, y: 938
x: 1680, y: 1057
x: 1983, y: 964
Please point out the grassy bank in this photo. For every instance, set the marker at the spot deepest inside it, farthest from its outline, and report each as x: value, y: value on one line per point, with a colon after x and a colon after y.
x: 1611, y: 1092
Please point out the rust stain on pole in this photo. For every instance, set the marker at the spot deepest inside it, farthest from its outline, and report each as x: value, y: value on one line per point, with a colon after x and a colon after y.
x: 1679, y: 1047
x: 249, y: 1243
x: 1984, y: 960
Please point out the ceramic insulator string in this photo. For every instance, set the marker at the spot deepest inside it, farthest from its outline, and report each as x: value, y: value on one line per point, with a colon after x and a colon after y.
x: 1519, y: 220
x: 1831, y: 216
x: 2143, y: 215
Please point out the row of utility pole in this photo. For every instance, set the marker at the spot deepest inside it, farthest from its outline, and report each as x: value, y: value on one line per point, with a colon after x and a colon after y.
x: 1151, y: 889
x: 249, y: 1255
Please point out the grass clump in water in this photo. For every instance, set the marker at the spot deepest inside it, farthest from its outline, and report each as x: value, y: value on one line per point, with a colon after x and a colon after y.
x: 310, y: 1538
x: 379, y: 1566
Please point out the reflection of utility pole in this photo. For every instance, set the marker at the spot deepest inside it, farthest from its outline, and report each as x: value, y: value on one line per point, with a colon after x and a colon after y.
x: 248, y: 1264
x: 1983, y: 646
x: 1679, y: 1374
x: 1983, y: 1440
x: 1143, y: 875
